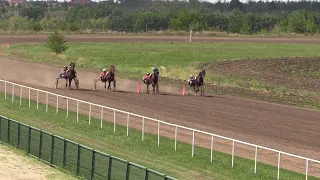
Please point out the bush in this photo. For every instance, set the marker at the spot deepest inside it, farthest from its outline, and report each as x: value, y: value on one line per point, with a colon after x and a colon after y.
x: 57, y: 43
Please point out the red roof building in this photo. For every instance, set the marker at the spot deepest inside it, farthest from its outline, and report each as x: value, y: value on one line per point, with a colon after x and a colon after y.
x: 16, y: 2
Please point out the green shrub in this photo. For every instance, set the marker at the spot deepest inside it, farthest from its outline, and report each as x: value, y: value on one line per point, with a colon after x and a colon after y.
x: 57, y: 43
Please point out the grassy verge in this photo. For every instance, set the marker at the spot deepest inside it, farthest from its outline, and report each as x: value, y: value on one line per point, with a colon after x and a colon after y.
x: 178, y: 164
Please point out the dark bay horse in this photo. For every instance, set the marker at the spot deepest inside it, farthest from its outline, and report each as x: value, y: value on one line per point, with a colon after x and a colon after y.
x: 72, y: 75
x: 111, y: 78
x: 108, y: 77
x: 153, y: 80
x: 198, y: 82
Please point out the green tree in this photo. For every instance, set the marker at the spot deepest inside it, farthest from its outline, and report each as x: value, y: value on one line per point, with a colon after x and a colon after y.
x: 235, y: 21
x: 44, y: 23
x: 311, y: 23
x: 56, y: 42
x: 182, y: 21
x: 245, y: 29
x: 33, y: 12
x: 18, y: 23
x: 297, y: 22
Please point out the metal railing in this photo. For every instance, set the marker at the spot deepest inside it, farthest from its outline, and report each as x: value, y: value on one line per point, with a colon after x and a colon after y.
x: 159, y: 122
x: 74, y: 157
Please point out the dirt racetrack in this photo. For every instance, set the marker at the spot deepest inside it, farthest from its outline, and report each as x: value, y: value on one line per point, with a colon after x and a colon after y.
x: 100, y: 38
x: 287, y: 128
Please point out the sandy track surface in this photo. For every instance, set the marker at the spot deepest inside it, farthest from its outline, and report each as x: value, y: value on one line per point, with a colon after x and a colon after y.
x: 99, y: 38
x: 15, y: 166
x: 287, y: 128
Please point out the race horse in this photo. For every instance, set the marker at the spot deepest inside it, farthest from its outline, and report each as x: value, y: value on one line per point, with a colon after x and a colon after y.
x: 199, y: 82
x: 111, y: 78
x: 153, y: 80
x: 108, y: 77
x: 70, y: 75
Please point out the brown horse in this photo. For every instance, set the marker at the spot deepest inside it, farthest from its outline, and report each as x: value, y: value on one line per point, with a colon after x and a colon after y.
x: 153, y: 80
x: 109, y: 77
x: 72, y: 75
x: 199, y: 82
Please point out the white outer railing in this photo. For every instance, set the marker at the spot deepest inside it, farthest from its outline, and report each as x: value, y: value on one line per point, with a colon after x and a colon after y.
x: 308, y: 160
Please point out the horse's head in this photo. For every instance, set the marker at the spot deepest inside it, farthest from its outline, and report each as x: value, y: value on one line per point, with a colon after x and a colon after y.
x: 112, y: 68
x: 203, y: 72
x: 72, y: 65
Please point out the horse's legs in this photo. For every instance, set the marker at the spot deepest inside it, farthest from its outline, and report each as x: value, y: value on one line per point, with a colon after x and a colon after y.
x: 147, y: 88
x: 114, y: 84
x: 153, y: 89
x: 70, y: 80
x: 105, y: 84
x: 66, y: 82
x: 109, y: 85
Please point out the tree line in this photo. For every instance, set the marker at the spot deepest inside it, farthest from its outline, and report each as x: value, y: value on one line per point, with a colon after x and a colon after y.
x: 144, y: 15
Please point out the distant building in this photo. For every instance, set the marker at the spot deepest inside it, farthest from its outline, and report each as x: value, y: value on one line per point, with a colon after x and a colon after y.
x: 17, y: 2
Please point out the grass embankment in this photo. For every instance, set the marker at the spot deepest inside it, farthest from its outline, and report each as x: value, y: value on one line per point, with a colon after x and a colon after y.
x: 253, y: 78
x: 178, y: 164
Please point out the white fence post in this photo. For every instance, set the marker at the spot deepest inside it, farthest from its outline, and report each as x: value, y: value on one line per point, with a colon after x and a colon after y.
x: 47, y: 103
x: 128, y: 125
x: 175, y: 138
x: 37, y: 100
x: 278, y: 176
x: 21, y: 96
x: 307, y: 168
x: 142, y: 136
x: 90, y: 114
x: 255, y: 160
x: 211, y: 148
x: 101, y: 117
x: 114, y: 121
x: 232, y: 152
x: 158, y: 133
x: 12, y: 93
x: 67, y: 107
x: 5, y: 90
x: 57, y: 108
x: 77, y: 111
x: 192, y: 143
x: 29, y: 98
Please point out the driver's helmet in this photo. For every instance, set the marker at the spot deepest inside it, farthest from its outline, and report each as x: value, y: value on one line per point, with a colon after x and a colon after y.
x: 148, y: 74
x: 191, y: 76
x: 104, y: 70
x: 65, y: 67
